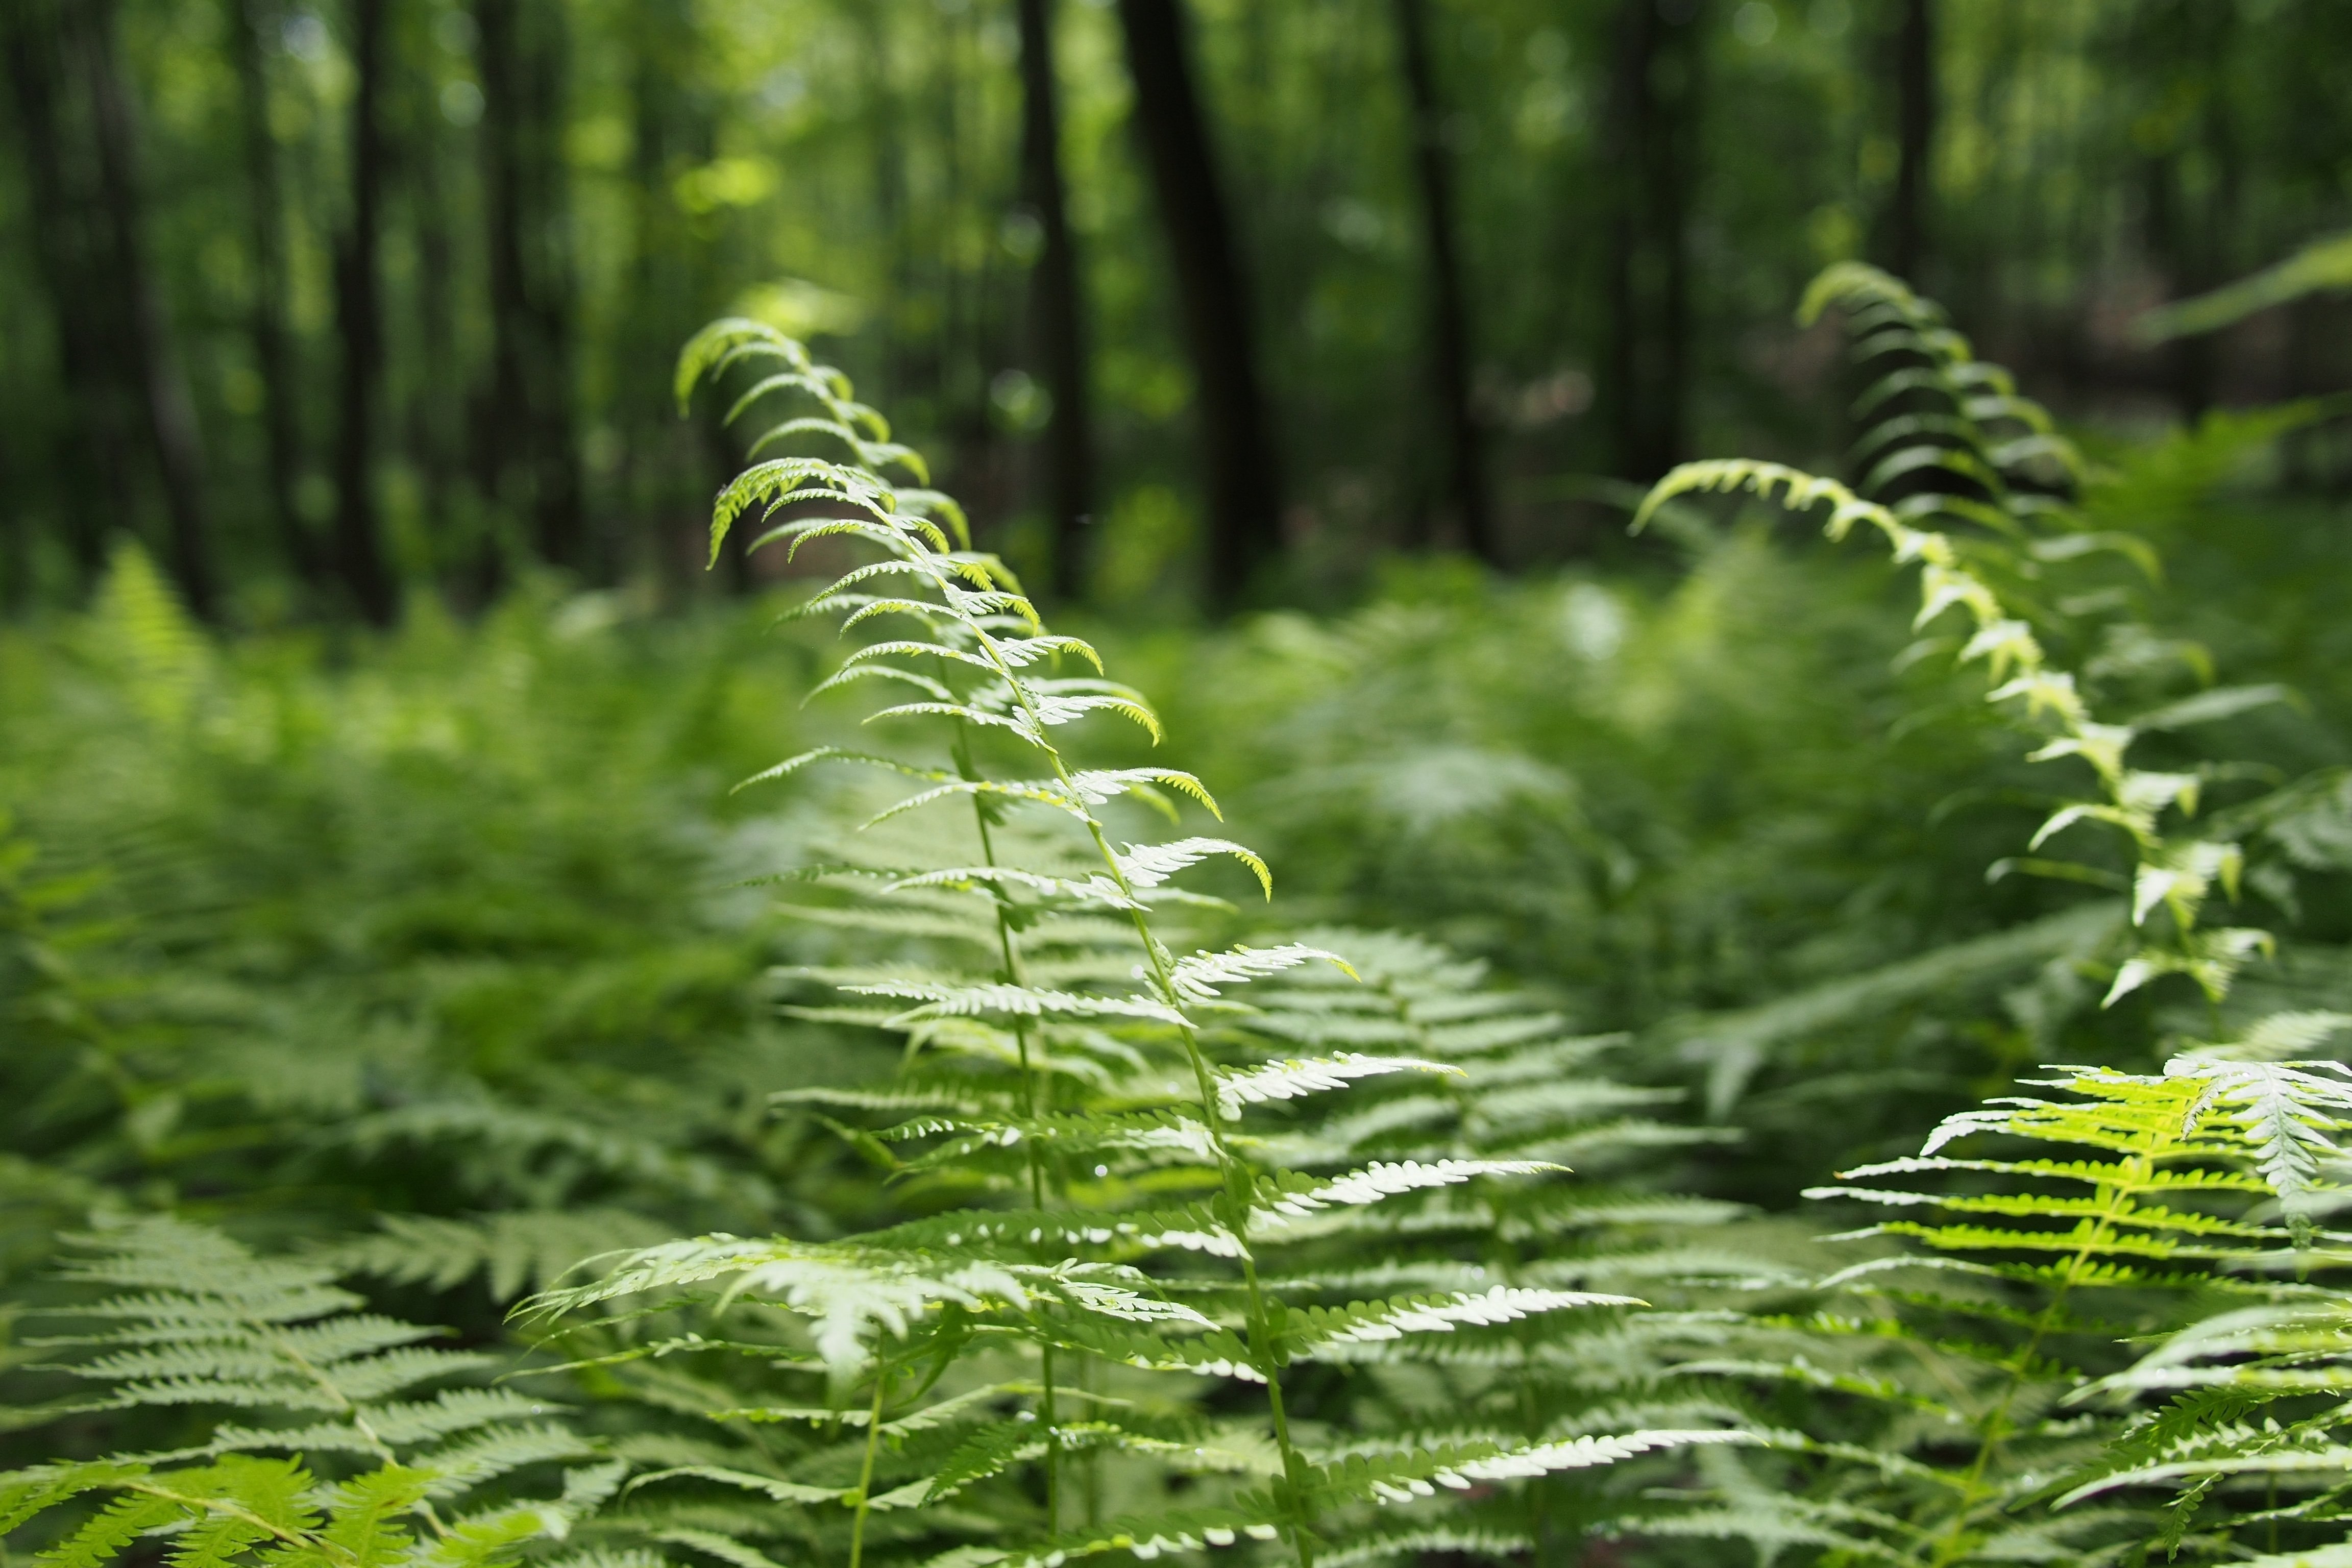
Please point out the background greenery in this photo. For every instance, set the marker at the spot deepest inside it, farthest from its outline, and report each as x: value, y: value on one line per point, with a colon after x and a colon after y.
x: 423, y: 933
x: 1636, y: 192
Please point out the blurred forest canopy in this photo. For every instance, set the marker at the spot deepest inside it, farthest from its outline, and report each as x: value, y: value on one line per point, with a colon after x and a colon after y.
x: 331, y: 301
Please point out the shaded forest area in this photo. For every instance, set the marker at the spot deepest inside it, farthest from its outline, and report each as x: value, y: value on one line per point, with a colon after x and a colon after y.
x: 1192, y: 297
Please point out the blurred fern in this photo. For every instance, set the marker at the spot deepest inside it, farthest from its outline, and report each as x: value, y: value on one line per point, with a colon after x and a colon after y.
x: 1949, y: 439
x: 1950, y: 1392
x: 409, y: 1474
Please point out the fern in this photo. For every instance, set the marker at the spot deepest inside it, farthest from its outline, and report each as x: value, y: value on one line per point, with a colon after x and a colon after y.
x: 1069, y: 1065
x: 1951, y: 1391
x: 197, y: 1322
x: 1953, y: 438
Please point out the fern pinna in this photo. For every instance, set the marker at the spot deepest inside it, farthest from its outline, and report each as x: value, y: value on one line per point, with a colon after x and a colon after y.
x: 448, y: 1478
x: 1085, y: 1087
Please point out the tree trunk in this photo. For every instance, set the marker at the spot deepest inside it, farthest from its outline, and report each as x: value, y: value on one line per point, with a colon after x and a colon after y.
x: 1914, y: 87
x: 1449, y: 315
x: 1244, y: 503
x: 359, y: 312
x: 272, y: 354
x: 1648, y: 149
x: 16, y: 539
x: 532, y: 463
x: 1057, y: 307
x: 92, y: 431
x: 162, y: 391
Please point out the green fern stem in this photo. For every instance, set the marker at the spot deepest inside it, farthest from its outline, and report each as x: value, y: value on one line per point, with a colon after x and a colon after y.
x: 1230, y: 1165
x: 2116, y: 1199
x: 1237, y: 1203
x: 1036, y: 1157
x: 274, y: 1334
x: 317, y: 1540
x: 866, y: 1469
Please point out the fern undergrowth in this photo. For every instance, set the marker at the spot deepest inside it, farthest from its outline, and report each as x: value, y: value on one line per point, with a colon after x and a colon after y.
x: 1101, y: 1113
x: 271, y: 1369
x: 1962, y: 1396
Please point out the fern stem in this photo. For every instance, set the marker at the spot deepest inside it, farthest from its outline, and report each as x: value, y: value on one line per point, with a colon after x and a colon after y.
x: 1230, y: 1165
x: 1036, y: 1156
x: 277, y: 1340
x: 2115, y: 1198
x: 1237, y: 1203
x: 865, y: 1470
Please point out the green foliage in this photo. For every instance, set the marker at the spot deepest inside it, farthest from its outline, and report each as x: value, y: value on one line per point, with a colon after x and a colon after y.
x: 1062, y: 1032
x: 1954, y: 1375
x: 1953, y: 438
x: 421, y: 1464
x: 1028, y: 1166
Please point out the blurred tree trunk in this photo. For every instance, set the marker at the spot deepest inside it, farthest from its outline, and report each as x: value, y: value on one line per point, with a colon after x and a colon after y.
x: 1915, y: 115
x: 16, y: 539
x: 1648, y: 148
x: 156, y: 361
x: 1057, y: 306
x: 92, y: 429
x: 1449, y: 314
x: 1244, y: 503
x: 532, y: 462
x: 359, y: 317
x: 272, y: 354
x: 2186, y: 44
x: 435, y: 415
x: 884, y: 119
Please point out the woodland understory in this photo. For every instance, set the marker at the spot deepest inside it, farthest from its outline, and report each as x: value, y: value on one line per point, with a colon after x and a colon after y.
x: 1228, y: 904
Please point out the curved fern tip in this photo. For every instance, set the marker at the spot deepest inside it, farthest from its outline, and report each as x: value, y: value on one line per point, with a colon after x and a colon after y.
x: 1843, y: 280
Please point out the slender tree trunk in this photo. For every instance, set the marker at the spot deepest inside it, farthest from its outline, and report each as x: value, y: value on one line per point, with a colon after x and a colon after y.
x: 272, y: 354
x: 1631, y: 110
x: 1649, y: 151
x: 1449, y: 313
x: 91, y: 434
x: 531, y: 461
x: 886, y: 145
x: 162, y: 391
x: 1244, y: 500
x: 435, y: 417
x: 1674, y: 176
x: 359, y: 316
x: 1914, y: 87
x: 1058, y: 311
x: 564, y: 535
x: 16, y: 539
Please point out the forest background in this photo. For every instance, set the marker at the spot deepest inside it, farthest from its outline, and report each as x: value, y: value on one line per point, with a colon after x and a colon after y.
x: 371, y: 883
x: 332, y: 302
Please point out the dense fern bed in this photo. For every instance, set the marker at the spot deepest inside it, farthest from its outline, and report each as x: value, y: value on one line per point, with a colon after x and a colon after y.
x: 1350, y: 1091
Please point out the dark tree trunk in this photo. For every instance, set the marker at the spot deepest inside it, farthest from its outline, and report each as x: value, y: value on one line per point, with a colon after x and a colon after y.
x: 359, y: 313
x: 884, y: 117
x: 1915, y: 113
x: 2185, y: 46
x: 162, y: 391
x: 435, y: 417
x: 272, y: 354
x: 16, y: 539
x: 1058, y: 307
x: 531, y: 459
x: 1449, y: 314
x: 1245, y: 503
x: 92, y: 432
x: 1648, y: 148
